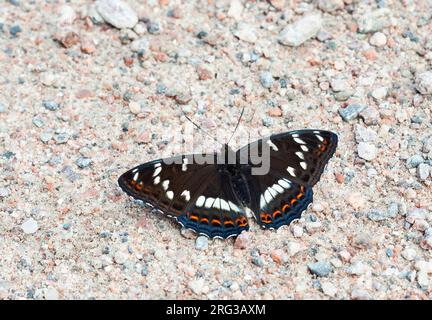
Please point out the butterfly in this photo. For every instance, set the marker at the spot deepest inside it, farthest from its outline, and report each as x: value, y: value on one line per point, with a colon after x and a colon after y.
x: 211, y: 198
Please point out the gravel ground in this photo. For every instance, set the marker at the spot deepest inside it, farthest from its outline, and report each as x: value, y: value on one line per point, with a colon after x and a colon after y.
x: 87, y: 92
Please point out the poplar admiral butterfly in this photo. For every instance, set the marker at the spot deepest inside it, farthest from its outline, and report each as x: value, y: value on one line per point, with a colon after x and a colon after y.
x: 211, y: 198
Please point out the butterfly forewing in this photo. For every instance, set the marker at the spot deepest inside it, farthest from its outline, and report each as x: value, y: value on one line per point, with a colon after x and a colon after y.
x: 198, y: 196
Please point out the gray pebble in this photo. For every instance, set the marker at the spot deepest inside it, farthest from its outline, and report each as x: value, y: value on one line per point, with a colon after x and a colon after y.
x: 393, y: 210
x: 153, y: 27
x: 2, y: 108
x: 15, y: 30
x: 351, y: 111
x: 321, y: 268
x: 45, y: 137
x: 38, y: 122
x: 83, y: 162
x: 267, y: 121
x: 258, y: 261
x: 4, y: 192
x: 266, y: 79
x: 201, y: 243
x: 389, y: 252
x: 51, y: 105
x: 414, y: 161
x: 61, y: 137
x: 375, y: 20
x: 376, y: 216
x: 423, y: 171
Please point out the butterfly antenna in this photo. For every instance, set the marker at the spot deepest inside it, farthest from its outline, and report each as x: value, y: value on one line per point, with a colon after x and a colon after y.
x: 238, y: 122
x: 200, y: 128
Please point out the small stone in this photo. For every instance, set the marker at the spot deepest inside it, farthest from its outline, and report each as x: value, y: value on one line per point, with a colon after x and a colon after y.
x: 68, y: 40
x: 183, y: 98
x: 376, y: 216
x: 84, y: 94
x: 330, y: 5
x: 153, y: 27
x: 345, y: 256
x: 117, y: 13
x: 258, y: 261
x: 275, y: 112
x: 235, y: 10
x: 87, y: 47
x: 4, y: 192
x: 393, y: 210
x: 339, y: 84
x: 30, y: 226
x: 302, y: 30
x: 120, y: 257
x: 2, y: 108
x: 360, y: 294
x: 51, y: 105
x: 375, y: 20
x: 140, y: 29
x: 246, y: 32
x: 364, y: 134
x: 45, y: 137
x: 61, y: 137
x: 351, y: 111
x: 424, y: 82
x: 366, y: 151
x: 357, y: 268
x: 293, y: 248
x: 51, y: 294
x: 15, y: 30
x: 297, y: 231
x: 409, y: 254
x: 134, y: 107
x: 140, y: 45
x: 201, y: 243
x: 66, y: 15
x: 196, y: 286
x: 204, y: 73
x: 379, y: 93
x: 242, y: 241
x: 414, y: 161
x: 266, y: 79
x: 321, y: 269
x: 427, y: 145
x: 423, y: 171
x: 328, y: 289
x: 378, y: 39
x: 83, y: 162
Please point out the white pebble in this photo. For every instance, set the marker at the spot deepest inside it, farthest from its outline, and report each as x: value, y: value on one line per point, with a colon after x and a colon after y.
x: 366, y: 151
x: 30, y: 226
x: 378, y: 39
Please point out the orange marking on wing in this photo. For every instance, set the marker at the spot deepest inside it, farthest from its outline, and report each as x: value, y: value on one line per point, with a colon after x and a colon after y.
x: 204, y: 220
x: 284, y: 207
x: 241, y: 222
x: 193, y: 217
x: 139, y: 186
x: 293, y: 201
x: 229, y: 222
x: 265, y: 217
x: 323, y: 148
x: 216, y: 222
x: 276, y: 213
x: 299, y: 195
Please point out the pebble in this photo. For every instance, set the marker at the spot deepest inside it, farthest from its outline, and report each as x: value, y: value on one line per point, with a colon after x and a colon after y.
x: 51, y: 105
x: 360, y: 294
x: 414, y: 161
x: 351, y: 111
x: 196, y: 286
x: 424, y: 82
x: 15, y: 30
x: 378, y: 39
x: 302, y: 30
x: 427, y: 145
x: 2, y: 108
x: 293, y: 248
x: 246, y: 32
x: 379, y: 93
x: 297, y: 231
x: 357, y: 269
x: 392, y: 210
x: 330, y: 5
x: 201, y: 243
x: 134, y: 107
x: 423, y: 171
x: 140, y: 45
x: 376, y: 216
x: 83, y: 162
x: 30, y: 226
x: 409, y: 254
x: 364, y: 134
x: 266, y: 79
x: 366, y: 151
x: 329, y: 289
x: 120, y: 257
x: 321, y: 269
x: 45, y: 137
x: 117, y: 13
x: 61, y: 137
x: 153, y: 27
x: 4, y: 192
x: 356, y: 200
x: 375, y: 20
x: 66, y: 15
x: 235, y: 10
x: 339, y: 84
x: 242, y: 241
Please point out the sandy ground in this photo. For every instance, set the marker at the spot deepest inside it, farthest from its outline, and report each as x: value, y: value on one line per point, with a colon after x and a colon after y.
x: 81, y: 101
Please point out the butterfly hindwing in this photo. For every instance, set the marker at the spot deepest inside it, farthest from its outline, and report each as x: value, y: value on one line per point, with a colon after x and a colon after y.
x: 196, y: 195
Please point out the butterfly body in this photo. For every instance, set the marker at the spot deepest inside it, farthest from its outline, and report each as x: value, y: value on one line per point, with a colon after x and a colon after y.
x: 210, y: 197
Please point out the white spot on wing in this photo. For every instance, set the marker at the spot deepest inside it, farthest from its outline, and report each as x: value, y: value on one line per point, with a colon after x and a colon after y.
x: 262, y: 201
x: 224, y: 205
x: 185, y: 163
x: 300, y: 141
x: 267, y: 196
x: 272, y: 145
x: 209, y: 202
x: 157, y: 180
x: 295, y: 135
x: 291, y: 171
x: 284, y: 184
x: 157, y: 165
x: 134, y: 170
x: 157, y: 171
x: 303, y: 165
x: 170, y: 194
x: 319, y: 137
x: 304, y: 148
x: 278, y: 188
x: 300, y: 155
x: 200, y: 201
x: 165, y: 184
x: 272, y: 192
x: 234, y: 207
x: 217, y: 203
x: 186, y: 195
x: 135, y: 177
